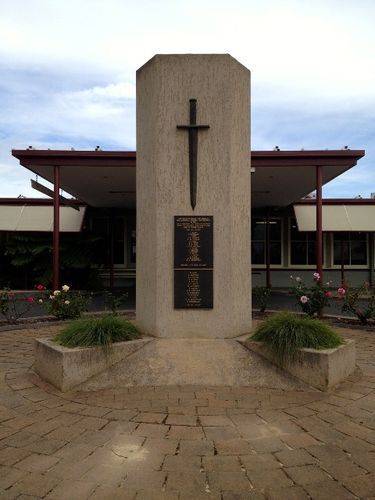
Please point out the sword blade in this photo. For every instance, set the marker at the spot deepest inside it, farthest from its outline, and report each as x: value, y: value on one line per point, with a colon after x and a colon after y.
x: 193, y: 165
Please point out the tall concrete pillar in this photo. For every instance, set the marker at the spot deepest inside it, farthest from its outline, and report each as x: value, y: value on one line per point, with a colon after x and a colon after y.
x: 221, y: 87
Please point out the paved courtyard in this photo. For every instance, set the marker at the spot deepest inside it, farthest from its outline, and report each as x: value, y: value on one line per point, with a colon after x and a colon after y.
x: 184, y: 442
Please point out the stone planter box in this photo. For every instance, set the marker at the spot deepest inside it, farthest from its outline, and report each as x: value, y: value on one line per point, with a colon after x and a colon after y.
x: 322, y: 369
x: 66, y: 367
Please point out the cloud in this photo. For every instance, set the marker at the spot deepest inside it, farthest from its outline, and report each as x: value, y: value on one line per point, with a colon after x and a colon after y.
x: 36, y: 114
x: 98, y: 103
x: 68, y: 72
x: 112, y: 91
x: 59, y: 110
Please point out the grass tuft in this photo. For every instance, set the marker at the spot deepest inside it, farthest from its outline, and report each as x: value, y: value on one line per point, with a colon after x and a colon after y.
x: 90, y: 332
x: 285, y: 333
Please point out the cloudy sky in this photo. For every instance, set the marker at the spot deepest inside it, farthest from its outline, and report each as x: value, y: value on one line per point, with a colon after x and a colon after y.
x: 68, y: 73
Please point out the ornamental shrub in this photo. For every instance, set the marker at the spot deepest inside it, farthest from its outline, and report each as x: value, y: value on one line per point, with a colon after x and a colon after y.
x: 351, y: 297
x: 65, y: 303
x: 285, y: 333
x: 261, y: 296
x: 103, y: 331
x: 113, y: 301
x: 14, y: 306
x: 311, y: 299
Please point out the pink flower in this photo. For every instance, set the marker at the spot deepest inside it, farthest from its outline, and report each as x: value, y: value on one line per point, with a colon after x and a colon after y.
x: 40, y: 287
x: 30, y: 299
x: 316, y: 276
x: 328, y: 294
x: 341, y: 291
x: 304, y: 299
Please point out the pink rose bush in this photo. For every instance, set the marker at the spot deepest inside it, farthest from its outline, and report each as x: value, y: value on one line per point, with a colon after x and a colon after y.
x: 358, y: 301
x: 311, y: 299
x: 63, y: 303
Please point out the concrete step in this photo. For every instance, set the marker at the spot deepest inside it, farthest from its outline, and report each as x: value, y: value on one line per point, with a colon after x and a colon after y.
x: 216, y: 362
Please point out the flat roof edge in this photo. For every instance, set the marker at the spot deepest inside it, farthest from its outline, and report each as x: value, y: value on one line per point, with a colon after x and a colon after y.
x: 338, y: 201
x: 129, y: 154
x: 39, y: 201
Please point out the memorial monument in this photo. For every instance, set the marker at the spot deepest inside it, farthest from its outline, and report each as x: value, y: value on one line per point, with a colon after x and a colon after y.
x: 193, y: 197
x: 193, y: 240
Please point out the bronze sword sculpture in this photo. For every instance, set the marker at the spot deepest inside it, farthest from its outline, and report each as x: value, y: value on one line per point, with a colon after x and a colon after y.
x: 193, y: 128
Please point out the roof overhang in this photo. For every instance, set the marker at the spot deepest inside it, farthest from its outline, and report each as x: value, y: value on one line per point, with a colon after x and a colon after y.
x: 284, y: 177
x: 98, y: 178
x: 107, y: 178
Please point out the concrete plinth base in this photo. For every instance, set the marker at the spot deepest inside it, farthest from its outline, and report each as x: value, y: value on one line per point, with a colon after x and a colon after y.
x: 215, y: 362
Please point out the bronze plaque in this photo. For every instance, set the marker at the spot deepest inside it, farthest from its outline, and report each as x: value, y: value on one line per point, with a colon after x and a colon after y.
x: 193, y: 242
x: 193, y: 289
x: 193, y: 262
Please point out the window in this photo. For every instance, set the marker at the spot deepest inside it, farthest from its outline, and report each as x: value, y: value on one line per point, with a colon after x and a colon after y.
x: 302, y: 246
x: 352, y: 247
x: 101, y: 227
x: 258, y: 241
x: 132, y: 242
x: 118, y: 241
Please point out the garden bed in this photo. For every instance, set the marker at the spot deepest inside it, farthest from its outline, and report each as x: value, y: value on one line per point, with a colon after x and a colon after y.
x: 350, y: 322
x: 66, y: 368
x: 322, y: 369
x: 39, y: 321
x: 341, y: 321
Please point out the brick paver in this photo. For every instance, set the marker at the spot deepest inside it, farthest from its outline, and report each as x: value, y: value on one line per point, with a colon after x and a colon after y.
x: 222, y: 443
